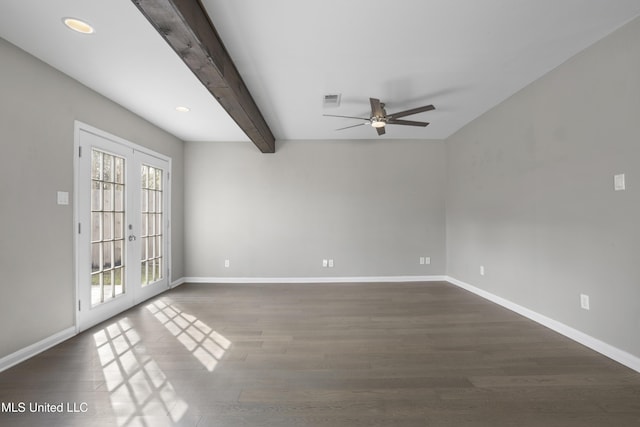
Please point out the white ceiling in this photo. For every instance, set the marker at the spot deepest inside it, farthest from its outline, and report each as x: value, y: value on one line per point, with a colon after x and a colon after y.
x: 463, y: 56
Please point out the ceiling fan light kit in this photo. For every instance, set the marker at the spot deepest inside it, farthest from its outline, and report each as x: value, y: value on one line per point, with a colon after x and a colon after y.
x: 379, y: 118
x: 377, y: 122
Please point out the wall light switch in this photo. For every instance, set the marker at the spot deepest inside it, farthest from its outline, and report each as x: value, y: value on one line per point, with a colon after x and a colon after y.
x: 325, y: 262
x: 618, y: 182
x: 63, y: 198
x: 584, y: 301
x: 427, y: 260
x: 330, y: 263
x: 421, y: 260
x: 482, y: 270
x: 226, y: 263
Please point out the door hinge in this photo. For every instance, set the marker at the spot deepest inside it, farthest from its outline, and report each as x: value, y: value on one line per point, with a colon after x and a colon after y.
x: 79, y: 228
x: 80, y: 151
x: 79, y: 305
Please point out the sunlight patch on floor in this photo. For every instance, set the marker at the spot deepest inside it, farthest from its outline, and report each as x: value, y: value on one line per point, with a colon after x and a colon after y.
x: 137, y: 385
x: 206, y: 345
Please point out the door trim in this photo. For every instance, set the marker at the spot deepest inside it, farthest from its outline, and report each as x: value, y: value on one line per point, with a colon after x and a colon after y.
x: 83, y: 127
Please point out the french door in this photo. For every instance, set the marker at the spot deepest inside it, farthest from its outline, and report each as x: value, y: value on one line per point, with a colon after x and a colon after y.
x: 122, y: 194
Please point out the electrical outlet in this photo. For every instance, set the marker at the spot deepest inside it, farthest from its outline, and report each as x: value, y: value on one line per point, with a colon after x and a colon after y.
x: 330, y: 263
x: 421, y: 260
x: 427, y: 260
x: 482, y: 270
x: 584, y: 301
x: 325, y: 263
x: 226, y: 263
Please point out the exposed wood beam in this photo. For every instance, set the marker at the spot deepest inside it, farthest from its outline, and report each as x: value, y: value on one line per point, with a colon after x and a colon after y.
x: 185, y: 25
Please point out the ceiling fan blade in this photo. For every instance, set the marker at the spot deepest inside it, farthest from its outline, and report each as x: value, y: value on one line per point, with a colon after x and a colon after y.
x: 380, y: 131
x: 346, y: 117
x: 406, y: 123
x: 353, y: 126
x: 376, y: 108
x: 411, y: 111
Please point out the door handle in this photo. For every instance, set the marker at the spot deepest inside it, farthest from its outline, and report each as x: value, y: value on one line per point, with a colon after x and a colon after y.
x: 132, y: 238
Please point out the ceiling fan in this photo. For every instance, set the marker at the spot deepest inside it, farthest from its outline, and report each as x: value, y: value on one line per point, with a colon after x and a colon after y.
x: 379, y: 117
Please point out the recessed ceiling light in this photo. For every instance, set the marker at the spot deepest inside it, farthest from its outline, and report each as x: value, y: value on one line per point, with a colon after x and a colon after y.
x: 78, y: 25
x: 183, y: 109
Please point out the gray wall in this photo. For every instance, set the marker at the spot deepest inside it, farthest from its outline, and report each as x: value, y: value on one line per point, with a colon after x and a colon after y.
x: 373, y: 206
x: 38, y: 107
x: 530, y: 194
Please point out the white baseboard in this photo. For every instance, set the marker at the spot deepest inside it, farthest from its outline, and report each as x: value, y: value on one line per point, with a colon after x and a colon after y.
x: 620, y: 356
x: 177, y: 282
x: 36, y: 348
x: 349, y: 279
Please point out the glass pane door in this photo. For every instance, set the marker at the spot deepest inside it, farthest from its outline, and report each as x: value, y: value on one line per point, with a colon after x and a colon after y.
x: 152, y: 229
x: 152, y: 225
x: 108, y: 270
x: 122, y: 245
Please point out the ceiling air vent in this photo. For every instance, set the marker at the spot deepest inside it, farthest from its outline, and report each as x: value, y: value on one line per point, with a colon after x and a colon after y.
x: 331, y: 100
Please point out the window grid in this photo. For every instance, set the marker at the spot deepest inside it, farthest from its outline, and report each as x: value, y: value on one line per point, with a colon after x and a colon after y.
x: 107, y: 226
x: 151, y: 226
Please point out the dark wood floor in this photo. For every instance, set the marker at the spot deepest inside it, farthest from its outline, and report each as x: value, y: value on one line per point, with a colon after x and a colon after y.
x: 396, y: 354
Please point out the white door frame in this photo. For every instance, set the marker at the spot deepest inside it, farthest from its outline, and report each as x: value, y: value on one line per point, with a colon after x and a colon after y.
x: 78, y: 216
